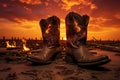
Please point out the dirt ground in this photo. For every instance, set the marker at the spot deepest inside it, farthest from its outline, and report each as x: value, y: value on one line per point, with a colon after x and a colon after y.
x: 20, y: 69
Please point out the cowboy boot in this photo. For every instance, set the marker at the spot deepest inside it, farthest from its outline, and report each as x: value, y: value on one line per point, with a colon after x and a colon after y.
x: 76, y: 31
x: 51, y: 36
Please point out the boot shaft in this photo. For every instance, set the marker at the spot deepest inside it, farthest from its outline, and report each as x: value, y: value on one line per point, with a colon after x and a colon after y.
x: 76, y: 29
x: 50, y: 31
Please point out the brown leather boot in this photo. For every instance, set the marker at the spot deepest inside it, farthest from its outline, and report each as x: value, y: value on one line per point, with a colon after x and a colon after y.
x: 76, y: 30
x: 51, y: 36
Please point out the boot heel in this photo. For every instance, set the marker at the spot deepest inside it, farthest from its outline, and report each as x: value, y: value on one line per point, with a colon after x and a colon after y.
x: 56, y: 56
x: 70, y: 59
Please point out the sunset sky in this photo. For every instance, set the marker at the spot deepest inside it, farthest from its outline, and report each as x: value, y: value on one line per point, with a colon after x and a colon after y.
x: 20, y: 18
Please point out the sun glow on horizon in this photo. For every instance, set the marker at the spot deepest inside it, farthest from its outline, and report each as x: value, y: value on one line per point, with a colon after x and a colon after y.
x: 64, y: 38
x: 62, y: 30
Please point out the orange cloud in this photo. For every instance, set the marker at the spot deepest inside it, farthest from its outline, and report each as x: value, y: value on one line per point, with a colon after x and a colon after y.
x: 93, y: 6
x: 104, y: 34
x: 117, y: 15
x: 56, y: 1
x: 33, y: 2
x: 67, y: 4
x: 100, y: 30
x: 28, y: 9
x: 4, y: 5
x: 27, y: 29
x: 98, y: 20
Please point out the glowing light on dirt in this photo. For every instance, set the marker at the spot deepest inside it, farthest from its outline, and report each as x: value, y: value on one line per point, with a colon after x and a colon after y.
x: 64, y: 38
x: 10, y: 46
x: 24, y: 45
x: 25, y: 48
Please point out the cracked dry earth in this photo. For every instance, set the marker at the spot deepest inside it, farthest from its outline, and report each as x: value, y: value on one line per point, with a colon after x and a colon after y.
x: 20, y: 69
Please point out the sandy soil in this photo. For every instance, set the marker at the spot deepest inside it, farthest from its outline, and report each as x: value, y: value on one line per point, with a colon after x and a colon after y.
x: 20, y: 69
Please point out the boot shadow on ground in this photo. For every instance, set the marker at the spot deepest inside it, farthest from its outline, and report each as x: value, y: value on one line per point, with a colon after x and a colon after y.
x: 94, y: 68
x: 97, y: 68
x: 36, y: 64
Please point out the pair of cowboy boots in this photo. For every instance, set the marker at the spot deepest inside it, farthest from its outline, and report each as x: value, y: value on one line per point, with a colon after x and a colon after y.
x: 76, y: 31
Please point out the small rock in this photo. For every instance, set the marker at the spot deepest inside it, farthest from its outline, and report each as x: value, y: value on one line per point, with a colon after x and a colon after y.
x: 47, y: 74
x: 5, y: 69
x: 32, y: 72
x: 60, y: 67
x: 72, y: 78
x: 93, y: 77
x: 66, y: 72
x: 11, y: 76
x: 118, y: 54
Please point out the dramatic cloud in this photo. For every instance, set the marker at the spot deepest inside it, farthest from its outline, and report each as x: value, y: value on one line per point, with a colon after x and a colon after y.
x: 21, y: 17
x: 33, y: 2
x: 117, y: 15
x: 67, y: 4
x: 27, y: 29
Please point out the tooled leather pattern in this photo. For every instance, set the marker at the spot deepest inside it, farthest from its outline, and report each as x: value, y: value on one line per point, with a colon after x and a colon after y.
x: 50, y: 31
x: 76, y: 29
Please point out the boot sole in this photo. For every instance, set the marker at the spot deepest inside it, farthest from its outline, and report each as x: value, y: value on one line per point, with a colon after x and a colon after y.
x: 94, y: 64
x: 71, y: 60
x: 35, y: 61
